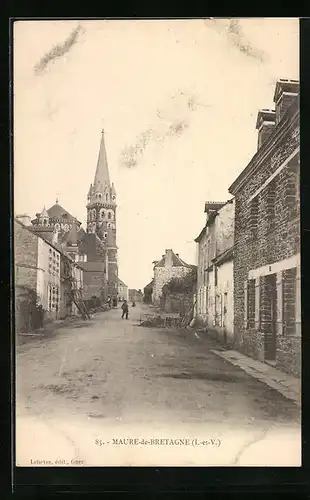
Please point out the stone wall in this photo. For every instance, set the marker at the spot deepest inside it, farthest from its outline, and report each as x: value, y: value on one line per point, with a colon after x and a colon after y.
x: 93, y: 284
x: 25, y: 257
x: 267, y: 231
x: 164, y: 274
x: 180, y: 303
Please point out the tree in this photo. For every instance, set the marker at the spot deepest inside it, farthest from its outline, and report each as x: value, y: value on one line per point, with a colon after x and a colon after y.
x: 181, y: 285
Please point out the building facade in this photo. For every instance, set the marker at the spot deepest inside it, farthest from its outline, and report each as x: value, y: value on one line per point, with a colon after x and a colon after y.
x: 215, y: 290
x: 37, y: 267
x: 46, y: 270
x: 122, y: 290
x: 170, y: 266
x: 148, y: 292
x: 135, y: 295
x: 267, y: 238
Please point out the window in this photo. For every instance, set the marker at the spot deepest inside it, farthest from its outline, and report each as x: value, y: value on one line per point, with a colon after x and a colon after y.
x: 271, y: 204
x: 109, y: 215
x: 292, y: 193
x: 107, y: 197
x: 249, y: 304
x: 253, y: 223
x: 289, y: 301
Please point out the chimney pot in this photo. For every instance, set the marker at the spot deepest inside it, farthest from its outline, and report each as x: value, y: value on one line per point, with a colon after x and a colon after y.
x: 265, y: 123
x: 285, y: 93
x: 168, y: 258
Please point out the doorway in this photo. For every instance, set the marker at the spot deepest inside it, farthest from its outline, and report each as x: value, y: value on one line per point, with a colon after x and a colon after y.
x: 225, y: 319
x: 270, y: 335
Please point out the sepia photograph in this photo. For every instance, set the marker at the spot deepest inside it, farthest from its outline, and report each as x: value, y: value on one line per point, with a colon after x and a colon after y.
x: 156, y: 242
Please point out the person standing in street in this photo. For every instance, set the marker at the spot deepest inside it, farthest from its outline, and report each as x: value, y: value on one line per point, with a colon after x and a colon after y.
x: 125, y: 309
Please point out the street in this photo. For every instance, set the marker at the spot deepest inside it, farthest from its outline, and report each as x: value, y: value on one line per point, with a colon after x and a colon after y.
x: 83, y: 391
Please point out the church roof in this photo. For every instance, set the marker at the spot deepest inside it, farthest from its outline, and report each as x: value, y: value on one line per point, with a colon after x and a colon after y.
x: 176, y: 262
x: 120, y: 282
x: 58, y: 212
x: 102, y: 176
x: 72, y: 238
x: 93, y: 266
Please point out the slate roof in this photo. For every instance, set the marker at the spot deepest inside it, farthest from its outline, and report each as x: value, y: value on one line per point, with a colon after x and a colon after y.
x: 92, y: 266
x: 102, y: 177
x: 58, y: 212
x: 149, y: 285
x: 176, y: 262
x: 120, y: 282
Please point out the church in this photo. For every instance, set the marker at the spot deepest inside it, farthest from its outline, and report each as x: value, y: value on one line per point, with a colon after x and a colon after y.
x: 95, y: 249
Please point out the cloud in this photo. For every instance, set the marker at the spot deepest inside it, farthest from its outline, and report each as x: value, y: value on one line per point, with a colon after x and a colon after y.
x: 177, y: 128
x: 236, y: 35
x: 57, y: 51
x: 171, y: 121
x: 234, y: 32
x: 130, y: 155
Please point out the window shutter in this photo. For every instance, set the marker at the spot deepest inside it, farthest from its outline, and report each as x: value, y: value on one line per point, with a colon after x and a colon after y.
x: 214, y: 309
x: 279, y: 303
x: 246, y: 304
x: 298, y: 302
x: 221, y: 313
x: 257, y: 303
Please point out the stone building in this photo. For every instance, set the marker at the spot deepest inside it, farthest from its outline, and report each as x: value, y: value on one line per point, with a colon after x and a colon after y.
x: 135, y: 295
x: 45, y: 269
x: 215, y: 291
x: 267, y: 238
x: 122, y: 290
x: 170, y: 266
x: 148, y: 292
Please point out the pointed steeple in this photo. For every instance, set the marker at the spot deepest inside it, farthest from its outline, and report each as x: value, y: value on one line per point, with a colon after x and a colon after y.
x: 102, y: 177
x: 44, y: 213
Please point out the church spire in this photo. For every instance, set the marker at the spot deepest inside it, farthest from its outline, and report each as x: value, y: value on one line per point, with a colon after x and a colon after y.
x: 102, y: 177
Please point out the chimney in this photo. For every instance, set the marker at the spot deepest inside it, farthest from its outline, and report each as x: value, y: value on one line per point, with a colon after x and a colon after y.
x: 24, y: 219
x: 265, y: 123
x: 168, y: 258
x: 285, y: 93
x: 177, y: 254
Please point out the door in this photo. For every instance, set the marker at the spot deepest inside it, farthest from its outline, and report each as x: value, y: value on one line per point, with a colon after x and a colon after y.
x: 225, y: 318
x: 270, y: 339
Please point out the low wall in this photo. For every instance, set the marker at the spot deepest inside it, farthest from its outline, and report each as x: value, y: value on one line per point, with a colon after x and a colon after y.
x: 177, y: 303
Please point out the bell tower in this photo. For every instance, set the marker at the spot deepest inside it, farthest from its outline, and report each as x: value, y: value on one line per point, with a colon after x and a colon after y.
x: 101, y: 210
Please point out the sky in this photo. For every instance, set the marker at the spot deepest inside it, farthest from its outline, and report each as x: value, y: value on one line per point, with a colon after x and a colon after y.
x: 178, y: 100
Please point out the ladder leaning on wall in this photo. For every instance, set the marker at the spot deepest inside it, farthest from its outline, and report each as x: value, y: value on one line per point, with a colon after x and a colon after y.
x: 77, y: 298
